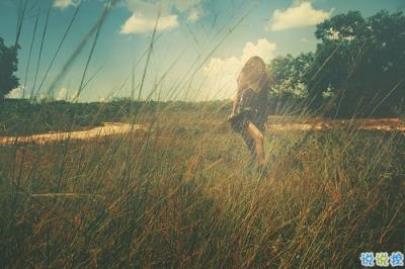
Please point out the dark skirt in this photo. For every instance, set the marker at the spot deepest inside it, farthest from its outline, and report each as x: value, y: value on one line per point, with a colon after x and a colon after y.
x: 252, y: 108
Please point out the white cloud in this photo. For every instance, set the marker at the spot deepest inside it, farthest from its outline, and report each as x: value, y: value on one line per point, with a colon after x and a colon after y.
x: 65, y: 3
x: 15, y: 93
x: 138, y: 23
x: 297, y: 16
x: 263, y: 48
x: 62, y: 94
x: 194, y: 15
x: 144, y: 14
x: 221, y: 74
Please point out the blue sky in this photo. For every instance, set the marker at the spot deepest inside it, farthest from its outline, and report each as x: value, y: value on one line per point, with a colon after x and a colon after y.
x: 200, y: 44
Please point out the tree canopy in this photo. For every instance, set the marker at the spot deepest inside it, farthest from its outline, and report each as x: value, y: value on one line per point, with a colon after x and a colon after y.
x: 8, y: 66
x: 358, y: 67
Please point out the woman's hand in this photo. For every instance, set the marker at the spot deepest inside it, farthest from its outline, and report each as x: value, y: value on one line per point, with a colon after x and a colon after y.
x: 231, y: 116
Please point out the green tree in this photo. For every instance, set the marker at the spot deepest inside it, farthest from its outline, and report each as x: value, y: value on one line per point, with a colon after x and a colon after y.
x: 8, y: 66
x: 288, y: 75
x: 288, y: 89
x: 359, y: 66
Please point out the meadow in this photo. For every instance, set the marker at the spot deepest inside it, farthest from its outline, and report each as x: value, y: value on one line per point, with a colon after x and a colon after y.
x: 179, y: 193
x: 179, y: 196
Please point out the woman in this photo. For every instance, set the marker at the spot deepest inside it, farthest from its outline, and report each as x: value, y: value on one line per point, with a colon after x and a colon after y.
x: 249, y: 111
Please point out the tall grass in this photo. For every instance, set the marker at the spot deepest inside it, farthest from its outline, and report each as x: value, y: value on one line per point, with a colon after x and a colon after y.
x: 183, y: 199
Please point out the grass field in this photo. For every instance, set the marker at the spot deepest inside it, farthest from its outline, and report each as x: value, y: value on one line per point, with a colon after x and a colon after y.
x: 178, y: 196
x: 169, y: 186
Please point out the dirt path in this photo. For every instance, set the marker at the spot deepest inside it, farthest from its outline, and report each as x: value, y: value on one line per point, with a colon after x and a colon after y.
x: 386, y: 125
x: 108, y: 129
x: 116, y: 128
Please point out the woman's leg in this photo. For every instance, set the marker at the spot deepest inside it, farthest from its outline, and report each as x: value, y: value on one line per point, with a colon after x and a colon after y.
x: 251, y: 145
x: 258, y: 138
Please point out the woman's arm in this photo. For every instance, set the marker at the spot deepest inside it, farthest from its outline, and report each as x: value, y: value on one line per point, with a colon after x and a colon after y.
x: 235, y: 104
x: 236, y: 98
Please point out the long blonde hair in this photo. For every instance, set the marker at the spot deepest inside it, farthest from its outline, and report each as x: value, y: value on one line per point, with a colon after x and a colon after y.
x: 253, y: 75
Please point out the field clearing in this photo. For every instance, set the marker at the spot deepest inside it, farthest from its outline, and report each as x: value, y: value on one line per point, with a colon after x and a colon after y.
x: 180, y: 196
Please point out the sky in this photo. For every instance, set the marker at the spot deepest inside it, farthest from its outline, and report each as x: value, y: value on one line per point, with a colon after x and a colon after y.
x: 197, y: 51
